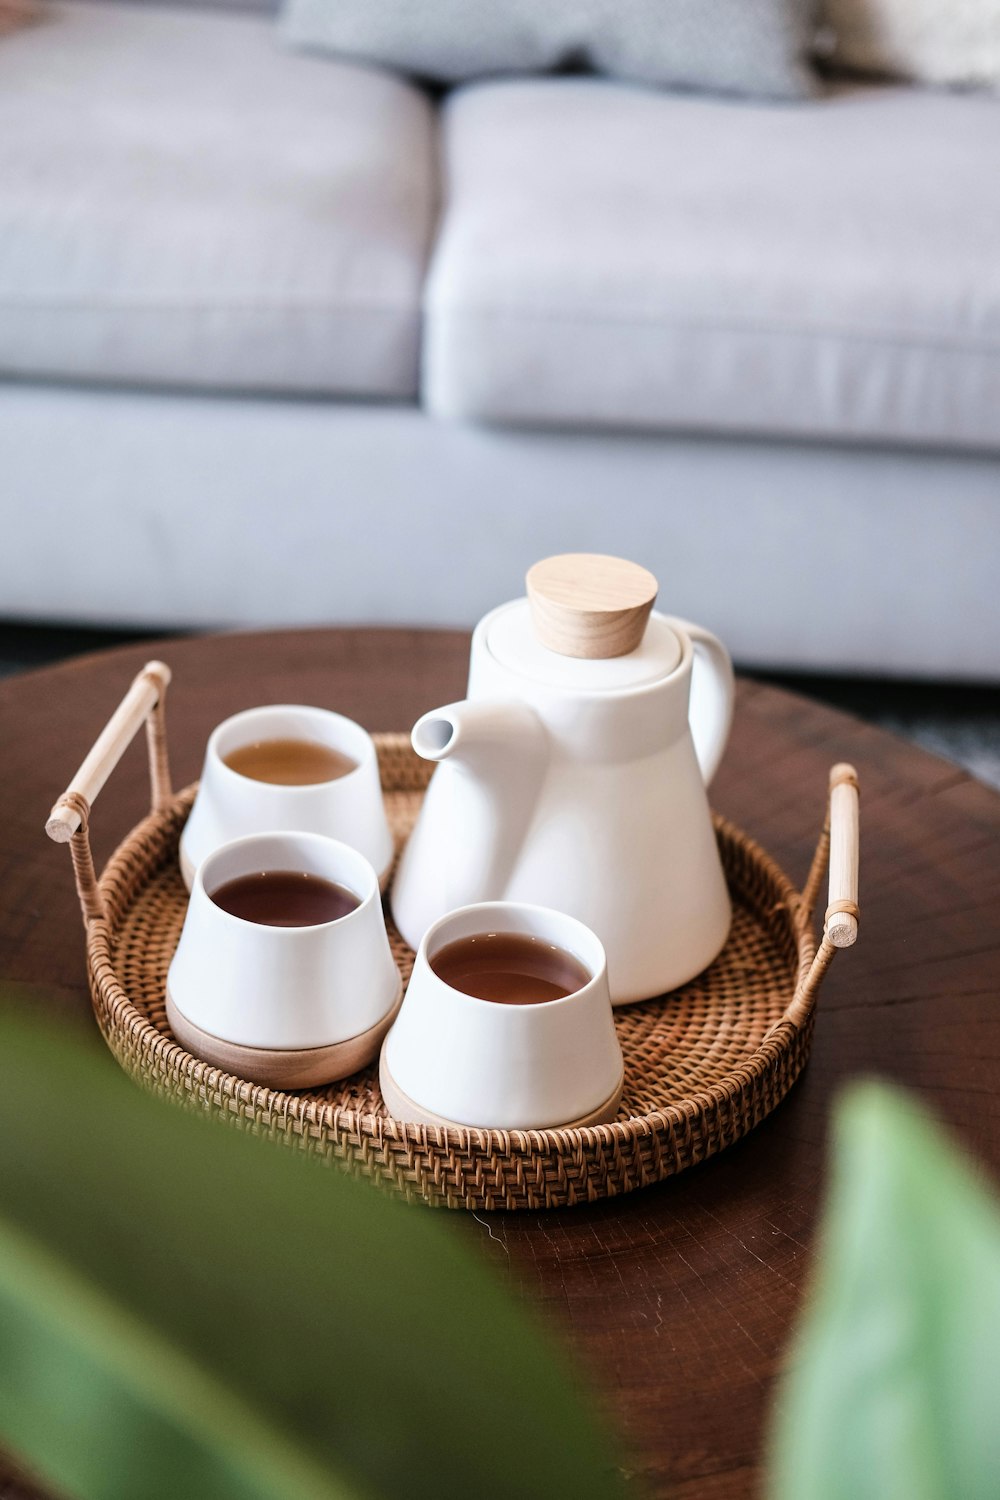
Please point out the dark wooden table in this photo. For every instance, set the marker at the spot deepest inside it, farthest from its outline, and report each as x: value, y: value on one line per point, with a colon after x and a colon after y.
x: 679, y: 1299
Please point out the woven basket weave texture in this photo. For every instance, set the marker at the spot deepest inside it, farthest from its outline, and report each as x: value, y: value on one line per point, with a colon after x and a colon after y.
x: 703, y: 1065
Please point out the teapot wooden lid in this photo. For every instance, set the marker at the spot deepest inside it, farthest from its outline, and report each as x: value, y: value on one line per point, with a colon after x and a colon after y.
x: 585, y: 604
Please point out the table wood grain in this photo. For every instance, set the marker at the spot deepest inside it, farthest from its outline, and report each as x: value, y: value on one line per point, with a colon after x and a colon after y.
x: 677, y: 1301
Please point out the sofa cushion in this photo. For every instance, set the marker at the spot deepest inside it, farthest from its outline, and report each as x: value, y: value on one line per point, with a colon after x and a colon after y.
x: 182, y: 202
x: 619, y: 258
x: 731, y: 46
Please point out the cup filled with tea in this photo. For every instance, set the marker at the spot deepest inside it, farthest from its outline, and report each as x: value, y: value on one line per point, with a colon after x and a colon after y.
x: 506, y: 1023
x: 283, y: 973
x: 288, y: 767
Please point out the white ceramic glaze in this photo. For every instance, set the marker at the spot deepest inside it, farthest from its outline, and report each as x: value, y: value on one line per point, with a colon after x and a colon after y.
x: 284, y: 987
x: 508, y: 1067
x: 231, y: 806
x: 581, y: 785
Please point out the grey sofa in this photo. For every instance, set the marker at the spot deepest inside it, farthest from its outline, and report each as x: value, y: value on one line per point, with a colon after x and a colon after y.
x: 287, y: 339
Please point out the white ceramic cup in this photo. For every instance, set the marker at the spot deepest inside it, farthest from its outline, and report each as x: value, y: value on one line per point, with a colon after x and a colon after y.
x: 452, y: 1058
x: 283, y: 989
x: 231, y: 806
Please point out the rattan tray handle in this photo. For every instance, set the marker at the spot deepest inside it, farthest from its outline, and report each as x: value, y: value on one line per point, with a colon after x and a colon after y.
x: 840, y: 847
x: 69, y: 819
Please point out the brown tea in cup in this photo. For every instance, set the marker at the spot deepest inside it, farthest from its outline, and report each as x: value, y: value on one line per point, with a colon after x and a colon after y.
x: 509, y: 968
x: 290, y: 762
x: 285, y: 898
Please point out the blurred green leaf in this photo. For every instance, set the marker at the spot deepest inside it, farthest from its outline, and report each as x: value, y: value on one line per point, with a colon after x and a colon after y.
x: 188, y: 1311
x: 894, y: 1386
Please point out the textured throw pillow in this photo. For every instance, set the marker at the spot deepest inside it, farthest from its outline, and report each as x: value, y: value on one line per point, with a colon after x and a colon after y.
x: 927, y: 41
x: 730, y: 46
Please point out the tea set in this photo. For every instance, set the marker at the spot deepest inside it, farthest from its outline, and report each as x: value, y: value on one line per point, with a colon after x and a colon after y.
x: 563, y: 863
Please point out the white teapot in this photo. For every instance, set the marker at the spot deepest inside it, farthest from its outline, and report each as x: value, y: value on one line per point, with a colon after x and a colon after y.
x: 574, y: 774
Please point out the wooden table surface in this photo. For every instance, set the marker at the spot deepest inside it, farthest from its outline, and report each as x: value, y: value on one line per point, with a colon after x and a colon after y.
x: 678, y: 1299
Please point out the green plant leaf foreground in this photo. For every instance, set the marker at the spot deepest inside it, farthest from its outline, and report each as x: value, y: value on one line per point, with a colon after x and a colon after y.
x: 185, y: 1310
x: 893, y: 1390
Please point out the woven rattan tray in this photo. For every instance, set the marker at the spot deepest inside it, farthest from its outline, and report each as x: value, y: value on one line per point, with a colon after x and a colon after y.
x: 703, y: 1065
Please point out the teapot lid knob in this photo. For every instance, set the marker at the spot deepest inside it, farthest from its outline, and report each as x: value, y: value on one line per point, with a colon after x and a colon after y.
x: 586, y: 604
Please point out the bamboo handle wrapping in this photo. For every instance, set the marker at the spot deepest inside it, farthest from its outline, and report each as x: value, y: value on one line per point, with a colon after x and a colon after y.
x: 841, y: 925
x: 839, y: 847
x: 143, y: 697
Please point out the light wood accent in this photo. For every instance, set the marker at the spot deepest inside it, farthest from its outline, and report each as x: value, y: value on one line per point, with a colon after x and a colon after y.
x: 280, y: 1068
x: 114, y: 739
x: 587, y: 605
x: 845, y: 849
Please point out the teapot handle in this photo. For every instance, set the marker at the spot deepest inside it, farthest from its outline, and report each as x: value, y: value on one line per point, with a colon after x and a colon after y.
x: 713, y: 691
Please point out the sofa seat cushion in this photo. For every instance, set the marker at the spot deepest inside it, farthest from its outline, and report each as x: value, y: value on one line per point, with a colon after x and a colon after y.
x: 619, y: 258
x: 182, y: 202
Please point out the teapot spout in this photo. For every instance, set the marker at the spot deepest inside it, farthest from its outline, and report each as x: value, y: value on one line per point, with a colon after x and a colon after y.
x: 476, y: 812
x: 475, y: 734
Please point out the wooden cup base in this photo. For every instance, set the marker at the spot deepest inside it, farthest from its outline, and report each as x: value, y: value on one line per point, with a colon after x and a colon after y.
x: 281, y: 1068
x: 403, y: 1108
